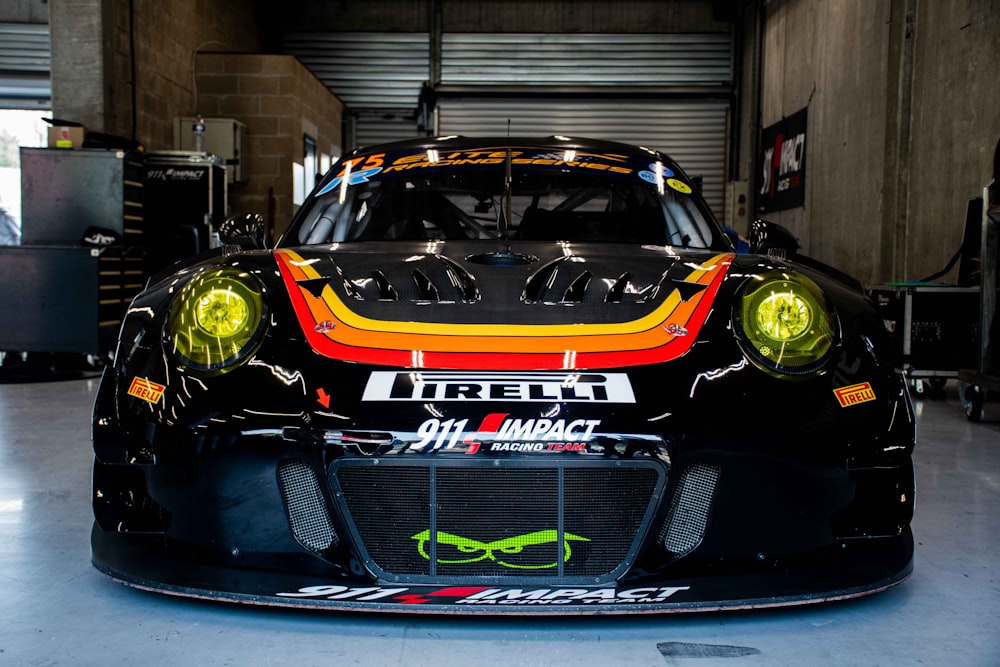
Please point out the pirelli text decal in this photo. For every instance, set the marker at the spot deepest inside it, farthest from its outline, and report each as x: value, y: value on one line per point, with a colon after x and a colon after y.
x: 856, y: 393
x: 519, y: 387
x: 147, y: 390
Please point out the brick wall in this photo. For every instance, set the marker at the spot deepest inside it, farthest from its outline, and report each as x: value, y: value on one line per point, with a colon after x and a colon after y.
x: 279, y: 101
x: 166, y: 35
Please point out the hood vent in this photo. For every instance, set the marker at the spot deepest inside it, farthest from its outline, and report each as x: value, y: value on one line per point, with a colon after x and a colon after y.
x: 425, y: 288
x: 560, y: 281
x: 425, y: 278
x: 461, y: 279
x: 386, y: 292
x: 618, y: 289
x: 435, y: 279
x: 541, y: 281
x: 578, y: 288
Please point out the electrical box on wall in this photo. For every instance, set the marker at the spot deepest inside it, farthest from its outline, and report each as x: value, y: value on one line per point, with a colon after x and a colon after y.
x: 738, y: 206
x: 225, y: 137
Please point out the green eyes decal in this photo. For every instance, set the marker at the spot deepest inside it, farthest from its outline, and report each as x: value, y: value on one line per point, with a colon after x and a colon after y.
x: 495, y: 551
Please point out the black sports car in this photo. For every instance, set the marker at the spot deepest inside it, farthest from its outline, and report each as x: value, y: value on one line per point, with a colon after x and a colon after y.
x: 504, y: 375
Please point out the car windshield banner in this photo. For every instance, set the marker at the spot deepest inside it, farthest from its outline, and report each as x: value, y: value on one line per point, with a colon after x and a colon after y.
x: 783, y: 164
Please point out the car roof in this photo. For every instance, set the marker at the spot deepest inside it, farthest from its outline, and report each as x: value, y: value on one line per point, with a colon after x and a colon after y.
x: 560, y: 142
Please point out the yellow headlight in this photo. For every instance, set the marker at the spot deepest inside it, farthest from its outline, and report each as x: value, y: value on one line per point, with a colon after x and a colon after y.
x: 217, y: 319
x: 784, y: 319
x: 784, y: 315
x: 222, y: 312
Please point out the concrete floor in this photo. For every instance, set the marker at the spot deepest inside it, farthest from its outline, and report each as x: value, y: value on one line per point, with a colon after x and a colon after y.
x: 57, y: 610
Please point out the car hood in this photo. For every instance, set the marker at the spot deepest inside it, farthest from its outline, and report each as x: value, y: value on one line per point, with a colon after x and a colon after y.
x: 527, y: 306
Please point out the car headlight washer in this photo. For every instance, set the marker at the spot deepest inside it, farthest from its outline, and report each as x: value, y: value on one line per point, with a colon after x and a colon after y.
x: 784, y: 323
x: 217, y: 320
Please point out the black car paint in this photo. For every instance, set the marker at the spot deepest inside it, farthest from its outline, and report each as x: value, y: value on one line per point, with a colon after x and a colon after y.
x: 814, y: 503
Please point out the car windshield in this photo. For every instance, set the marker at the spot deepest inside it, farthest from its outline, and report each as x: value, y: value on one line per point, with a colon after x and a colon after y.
x: 538, y: 194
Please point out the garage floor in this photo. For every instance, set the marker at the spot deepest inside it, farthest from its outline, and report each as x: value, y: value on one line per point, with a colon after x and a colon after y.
x: 57, y: 610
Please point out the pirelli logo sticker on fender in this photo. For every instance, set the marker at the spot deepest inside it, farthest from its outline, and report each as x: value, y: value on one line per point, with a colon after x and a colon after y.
x: 518, y: 387
x: 147, y: 390
x: 856, y: 393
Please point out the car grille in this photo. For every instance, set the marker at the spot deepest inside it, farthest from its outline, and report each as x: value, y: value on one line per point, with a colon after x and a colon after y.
x: 689, y: 509
x: 566, y: 520
x: 308, y: 514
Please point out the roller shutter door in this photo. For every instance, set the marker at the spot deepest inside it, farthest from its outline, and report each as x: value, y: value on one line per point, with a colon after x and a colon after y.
x: 623, y: 87
x: 591, y: 60
x: 24, y: 66
x: 691, y: 132
x: 377, y: 75
x: 668, y: 91
x: 369, y: 130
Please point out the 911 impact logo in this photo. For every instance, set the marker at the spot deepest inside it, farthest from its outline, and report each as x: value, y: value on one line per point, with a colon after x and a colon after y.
x: 518, y: 387
x: 503, y: 434
x: 488, y: 595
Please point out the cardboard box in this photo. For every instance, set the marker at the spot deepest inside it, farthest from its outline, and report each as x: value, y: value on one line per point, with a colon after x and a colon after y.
x: 66, y: 136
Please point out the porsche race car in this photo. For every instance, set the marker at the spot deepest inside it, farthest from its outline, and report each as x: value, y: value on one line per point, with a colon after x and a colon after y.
x: 504, y: 376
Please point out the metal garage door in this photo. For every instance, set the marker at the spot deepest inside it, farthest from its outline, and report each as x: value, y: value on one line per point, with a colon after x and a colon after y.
x: 366, y: 69
x: 667, y: 91
x: 377, y: 75
x: 591, y: 60
x: 692, y: 132
x: 24, y: 66
x: 625, y: 87
x: 370, y: 129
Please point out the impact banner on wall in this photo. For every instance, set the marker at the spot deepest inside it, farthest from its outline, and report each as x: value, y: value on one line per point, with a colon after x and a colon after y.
x: 783, y: 164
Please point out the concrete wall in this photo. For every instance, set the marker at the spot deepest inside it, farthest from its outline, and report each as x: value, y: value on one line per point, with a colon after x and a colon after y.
x: 24, y: 11
x: 79, y: 61
x: 955, y: 123
x: 169, y: 36
x: 904, y: 112
x: 279, y: 101
x: 92, y: 66
x: 830, y: 57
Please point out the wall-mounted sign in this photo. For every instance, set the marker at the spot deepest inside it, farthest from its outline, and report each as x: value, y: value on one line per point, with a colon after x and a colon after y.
x: 783, y: 164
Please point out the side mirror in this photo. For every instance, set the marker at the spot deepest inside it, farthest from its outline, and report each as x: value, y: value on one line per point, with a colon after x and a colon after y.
x: 770, y: 238
x: 247, y: 231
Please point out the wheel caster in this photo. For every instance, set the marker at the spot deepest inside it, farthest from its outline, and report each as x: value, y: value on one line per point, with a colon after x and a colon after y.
x: 973, y: 398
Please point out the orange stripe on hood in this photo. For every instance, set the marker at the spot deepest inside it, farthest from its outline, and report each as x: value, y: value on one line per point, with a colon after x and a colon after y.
x: 498, y: 347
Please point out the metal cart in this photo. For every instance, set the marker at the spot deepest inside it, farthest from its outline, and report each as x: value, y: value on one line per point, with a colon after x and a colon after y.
x: 932, y: 329
x: 975, y: 383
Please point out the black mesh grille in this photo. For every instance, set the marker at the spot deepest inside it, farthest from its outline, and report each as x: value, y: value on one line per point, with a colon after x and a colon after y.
x: 308, y: 514
x: 518, y: 521
x: 388, y: 505
x: 692, y: 501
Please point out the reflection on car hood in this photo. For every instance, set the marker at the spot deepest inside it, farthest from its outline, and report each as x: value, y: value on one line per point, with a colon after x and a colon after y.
x: 539, y: 306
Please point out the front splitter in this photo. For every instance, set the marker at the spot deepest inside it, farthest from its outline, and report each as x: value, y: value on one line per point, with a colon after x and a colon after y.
x: 129, y: 560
